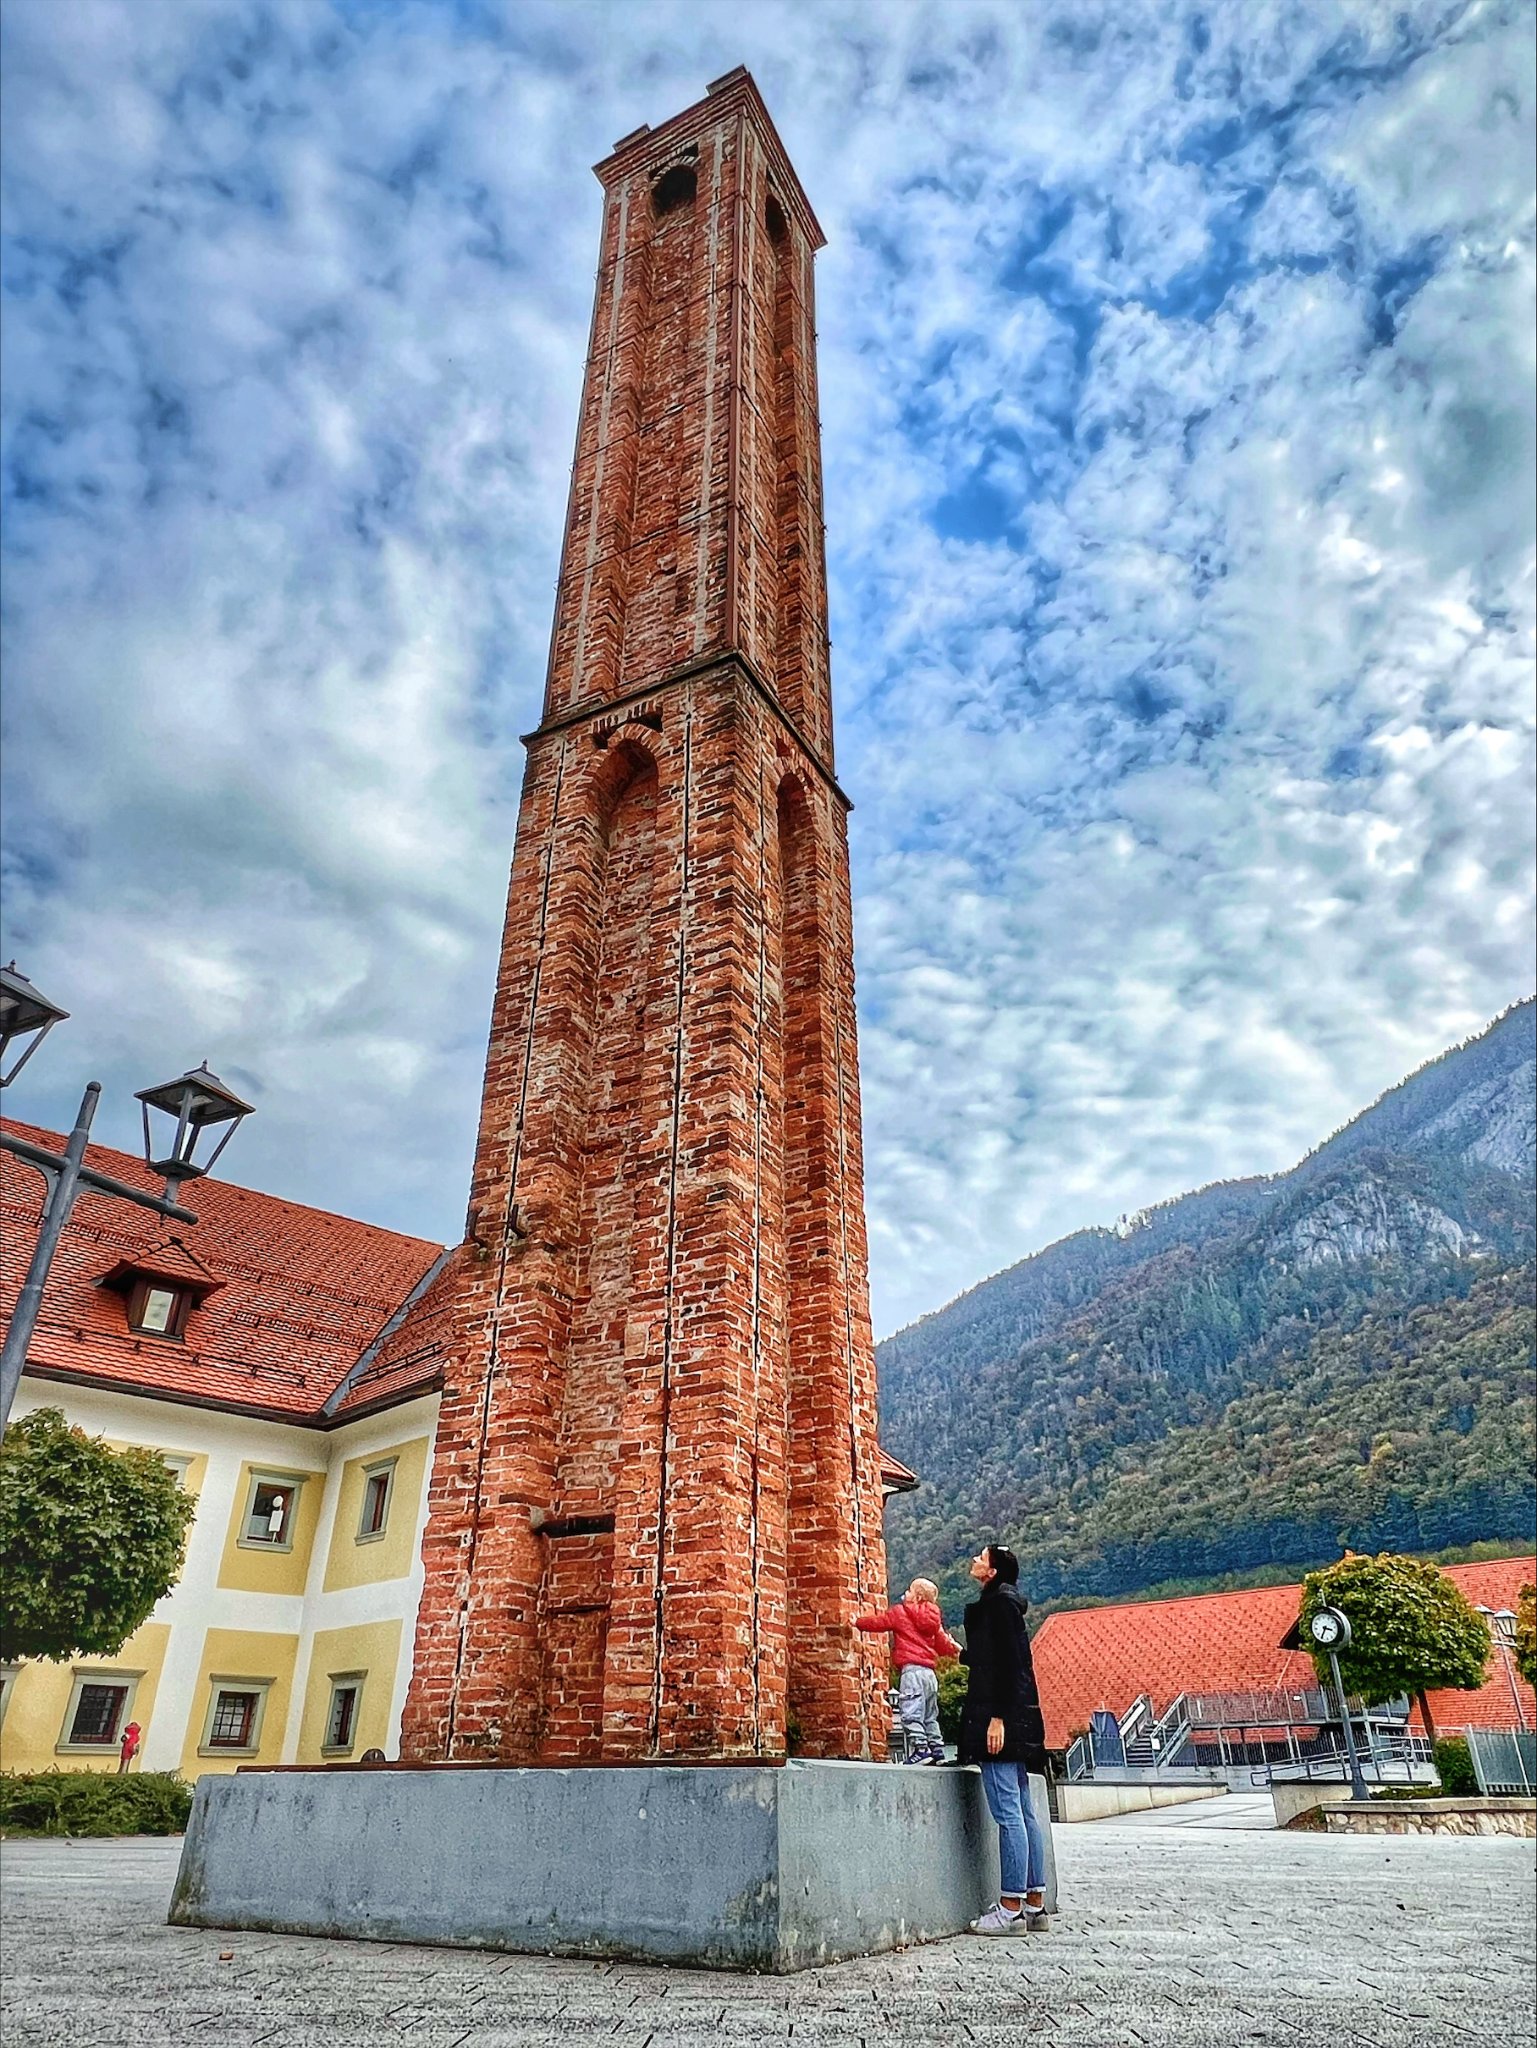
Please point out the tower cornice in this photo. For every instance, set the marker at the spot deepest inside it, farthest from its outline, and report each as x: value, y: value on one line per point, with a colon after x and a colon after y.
x: 719, y: 658
x: 735, y: 91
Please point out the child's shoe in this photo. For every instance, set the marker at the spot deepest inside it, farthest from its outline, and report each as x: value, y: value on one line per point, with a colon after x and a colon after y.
x: 936, y: 1755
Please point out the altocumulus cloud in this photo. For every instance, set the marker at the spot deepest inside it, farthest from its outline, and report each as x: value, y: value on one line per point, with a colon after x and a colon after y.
x: 1177, y: 376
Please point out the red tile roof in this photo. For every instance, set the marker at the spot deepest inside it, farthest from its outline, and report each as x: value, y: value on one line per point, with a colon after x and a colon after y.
x: 303, y: 1292
x: 311, y: 1318
x: 1229, y: 1642
x: 409, y: 1353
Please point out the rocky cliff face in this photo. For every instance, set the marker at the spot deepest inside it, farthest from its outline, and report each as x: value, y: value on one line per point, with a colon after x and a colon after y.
x: 1494, y: 1121
x: 1372, y: 1220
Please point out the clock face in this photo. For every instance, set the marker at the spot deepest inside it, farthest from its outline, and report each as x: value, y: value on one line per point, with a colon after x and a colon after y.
x: 1324, y: 1628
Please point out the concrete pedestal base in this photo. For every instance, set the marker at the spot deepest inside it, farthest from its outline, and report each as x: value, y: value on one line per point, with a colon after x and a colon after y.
x: 736, y: 1867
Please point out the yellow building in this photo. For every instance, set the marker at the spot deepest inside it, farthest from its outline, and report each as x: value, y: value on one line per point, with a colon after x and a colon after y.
x: 254, y: 1353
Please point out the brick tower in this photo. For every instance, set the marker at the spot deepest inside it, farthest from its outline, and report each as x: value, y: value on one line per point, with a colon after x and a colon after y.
x: 655, y: 1501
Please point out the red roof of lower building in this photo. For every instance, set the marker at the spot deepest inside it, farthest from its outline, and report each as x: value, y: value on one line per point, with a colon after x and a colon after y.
x: 1230, y: 1642
x: 290, y: 1297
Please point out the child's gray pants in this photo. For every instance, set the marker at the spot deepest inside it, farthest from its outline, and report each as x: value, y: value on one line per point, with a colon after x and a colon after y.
x: 918, y: 1706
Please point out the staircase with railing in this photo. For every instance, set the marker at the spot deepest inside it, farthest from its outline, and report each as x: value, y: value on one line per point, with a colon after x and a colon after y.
x: 1248, y: 1738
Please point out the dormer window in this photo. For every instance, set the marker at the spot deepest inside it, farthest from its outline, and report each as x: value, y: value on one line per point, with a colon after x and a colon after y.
x: 157, y: 1310
x: 160, y: 1289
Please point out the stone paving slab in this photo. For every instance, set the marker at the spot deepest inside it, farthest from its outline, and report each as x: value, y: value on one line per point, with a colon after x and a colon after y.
x: 1204, y: 1938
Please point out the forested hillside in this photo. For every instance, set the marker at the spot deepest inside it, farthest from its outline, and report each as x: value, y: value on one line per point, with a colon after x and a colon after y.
x: 1255, y: 1374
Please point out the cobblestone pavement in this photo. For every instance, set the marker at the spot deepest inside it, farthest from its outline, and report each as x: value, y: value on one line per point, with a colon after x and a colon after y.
x: 1207, y: 1938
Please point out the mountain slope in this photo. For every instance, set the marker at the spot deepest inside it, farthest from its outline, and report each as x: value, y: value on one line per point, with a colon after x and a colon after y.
x: 1254, y: 1373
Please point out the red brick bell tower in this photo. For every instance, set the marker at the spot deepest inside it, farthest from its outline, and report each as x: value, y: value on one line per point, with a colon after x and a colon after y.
x: 655, y: 1502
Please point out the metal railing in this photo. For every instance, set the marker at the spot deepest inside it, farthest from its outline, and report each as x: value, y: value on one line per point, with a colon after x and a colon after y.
x: 1504, y: 1760
x: 1295, y: 1737
x: 1287, y: 1733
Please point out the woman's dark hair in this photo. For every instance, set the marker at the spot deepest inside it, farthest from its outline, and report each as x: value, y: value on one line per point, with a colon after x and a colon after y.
x: 1004, y: 1563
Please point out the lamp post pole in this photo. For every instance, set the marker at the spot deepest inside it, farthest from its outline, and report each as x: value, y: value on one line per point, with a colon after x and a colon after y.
x: 68, y: 1177
x: 196, y: 1102
x: 1502, y: 1629
x: 1357, y: 1780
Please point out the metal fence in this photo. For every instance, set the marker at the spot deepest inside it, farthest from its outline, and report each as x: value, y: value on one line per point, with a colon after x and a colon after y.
x: 1504, y: 1762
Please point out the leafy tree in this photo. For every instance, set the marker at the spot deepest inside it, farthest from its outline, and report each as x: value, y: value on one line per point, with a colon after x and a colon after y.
x: 92, y: 1539
x: 1412, y: 1630
x: 1526, y: 1633
x: 952, y: 1697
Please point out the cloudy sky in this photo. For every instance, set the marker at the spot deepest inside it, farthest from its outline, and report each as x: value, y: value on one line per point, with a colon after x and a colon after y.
x: 1177, y: 390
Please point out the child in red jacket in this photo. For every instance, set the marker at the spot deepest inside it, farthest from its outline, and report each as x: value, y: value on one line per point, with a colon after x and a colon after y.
x: 918, y: 1641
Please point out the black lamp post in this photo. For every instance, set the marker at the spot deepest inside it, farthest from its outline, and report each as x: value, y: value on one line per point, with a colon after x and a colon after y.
x: 25, y: 1014
x: 195, y: 1101
x: 1502, y: 1629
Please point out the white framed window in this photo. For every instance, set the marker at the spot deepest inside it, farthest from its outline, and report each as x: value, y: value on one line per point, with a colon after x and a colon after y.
x: 232, y: 1725
x: 342, y: 1714
x: 378, y: 1490
x: 8, y: 1676
x: 157, y: 1309
x: 178, y: 1464
x: 100, y: 1704
x: 272, y: 1505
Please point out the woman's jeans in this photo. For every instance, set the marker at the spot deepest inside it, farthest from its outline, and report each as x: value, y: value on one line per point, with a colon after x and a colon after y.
x: 1021, y: 1844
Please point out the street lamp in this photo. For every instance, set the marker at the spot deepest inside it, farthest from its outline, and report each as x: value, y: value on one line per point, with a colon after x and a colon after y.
x: 1502, y: 1627
x: 195, y: 1101
x: 24, y: 1014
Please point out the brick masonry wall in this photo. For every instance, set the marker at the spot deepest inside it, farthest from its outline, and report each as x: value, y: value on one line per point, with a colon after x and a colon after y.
x: 655, y: 1504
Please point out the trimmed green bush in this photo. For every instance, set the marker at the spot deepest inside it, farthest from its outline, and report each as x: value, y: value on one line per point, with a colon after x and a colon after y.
x: 93, y: 1803
x: 1454, y: 1767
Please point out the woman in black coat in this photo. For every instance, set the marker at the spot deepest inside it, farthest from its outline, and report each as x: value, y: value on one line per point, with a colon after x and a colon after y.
x: 1002, y: 1730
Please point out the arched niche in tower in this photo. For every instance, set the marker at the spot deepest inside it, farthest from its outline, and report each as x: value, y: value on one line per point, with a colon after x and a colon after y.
x: 675, y: 188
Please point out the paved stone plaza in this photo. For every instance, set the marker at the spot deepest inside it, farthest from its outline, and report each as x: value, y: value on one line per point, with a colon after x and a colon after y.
x: 1199, y: 1930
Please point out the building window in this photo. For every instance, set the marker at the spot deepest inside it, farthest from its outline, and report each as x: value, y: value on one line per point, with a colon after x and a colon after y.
x: 342, y: 1715
x: 7, y: 1687
x: 157, y: 1310
x: 178, y: 1464
x: 98, y: 1710
x: 234, y: 1720
x: 271, y: 1507
x: 235, y: 1713
x: 378, y: 1486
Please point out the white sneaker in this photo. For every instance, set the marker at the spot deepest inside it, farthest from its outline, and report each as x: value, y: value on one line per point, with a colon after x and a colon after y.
x: 997, y: 1920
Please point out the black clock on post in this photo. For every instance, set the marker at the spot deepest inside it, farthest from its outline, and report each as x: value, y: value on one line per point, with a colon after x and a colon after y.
x: 1329, y: 1631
